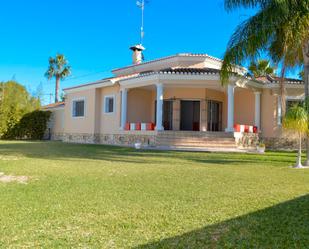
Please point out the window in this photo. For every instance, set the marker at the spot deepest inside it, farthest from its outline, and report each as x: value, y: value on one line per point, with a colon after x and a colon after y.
x: 78, y: 108
x: 109, y: 104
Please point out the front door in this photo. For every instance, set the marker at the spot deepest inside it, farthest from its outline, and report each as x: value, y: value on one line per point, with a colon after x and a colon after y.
x: 214, y: 115
x: 190, y: 115
x: 167, y: 114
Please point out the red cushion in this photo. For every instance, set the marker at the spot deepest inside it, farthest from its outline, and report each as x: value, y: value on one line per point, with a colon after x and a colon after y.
x: 237, y: 127
x: 127, y: 127
x: 138, y: 126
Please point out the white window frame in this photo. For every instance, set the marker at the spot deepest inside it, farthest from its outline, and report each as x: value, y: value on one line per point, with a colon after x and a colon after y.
x: 72, y: 107
x: 114, y: 104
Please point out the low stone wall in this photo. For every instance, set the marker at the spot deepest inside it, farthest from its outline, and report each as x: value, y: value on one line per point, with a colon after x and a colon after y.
x: 57, y: 136
x: 128, y: 139
x: 83, y: 138
x: 246, y: 140
x: 282, y: 143
x: 110, y: 139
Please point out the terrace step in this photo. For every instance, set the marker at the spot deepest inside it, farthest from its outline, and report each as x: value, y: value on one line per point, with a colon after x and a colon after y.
x: 195, y: 134
x: 197, y: 139
x: 200, y: 140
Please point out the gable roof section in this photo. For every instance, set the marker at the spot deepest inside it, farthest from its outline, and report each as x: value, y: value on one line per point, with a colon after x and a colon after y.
x: 181, y: 71
x: 179, y: 64
x: 97, y: 84
x: 177, y: 60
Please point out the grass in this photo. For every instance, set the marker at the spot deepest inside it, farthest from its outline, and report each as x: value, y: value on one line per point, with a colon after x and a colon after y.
x: 92, y: 196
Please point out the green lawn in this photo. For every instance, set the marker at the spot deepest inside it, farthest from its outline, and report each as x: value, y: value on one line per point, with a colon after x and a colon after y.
x: 92, y: 196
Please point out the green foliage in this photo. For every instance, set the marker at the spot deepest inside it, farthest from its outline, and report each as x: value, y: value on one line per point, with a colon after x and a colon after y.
x: 58, y: 67
x: 15, y: 102
x: 280, y: 28
x: 301, y: 74
x: 261, y: 68
x: 32, y: 126
x: 296, y: 119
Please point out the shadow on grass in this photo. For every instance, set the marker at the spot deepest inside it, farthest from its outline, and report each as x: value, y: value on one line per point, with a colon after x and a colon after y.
x: 285, y: 225
x: 60, y: 151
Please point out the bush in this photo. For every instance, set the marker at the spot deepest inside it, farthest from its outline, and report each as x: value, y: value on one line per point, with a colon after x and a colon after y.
x: 31, y: 126
x: 15, y: 102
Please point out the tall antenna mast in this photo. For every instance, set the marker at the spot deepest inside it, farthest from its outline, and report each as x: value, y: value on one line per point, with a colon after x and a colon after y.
x: 141, y: 5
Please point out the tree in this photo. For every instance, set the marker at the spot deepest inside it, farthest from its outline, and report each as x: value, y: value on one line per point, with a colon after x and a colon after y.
x: 280, y: 28
x: 261, y: 68
x: 297, y: 119
x: 301, y: 74
x: 15, y: 101
x: 59, y: 69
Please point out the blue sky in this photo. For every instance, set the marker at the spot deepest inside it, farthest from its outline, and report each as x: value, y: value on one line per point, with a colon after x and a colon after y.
x: 95, y: 35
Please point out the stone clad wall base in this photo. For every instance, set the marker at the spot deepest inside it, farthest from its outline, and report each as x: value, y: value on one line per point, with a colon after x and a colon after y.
x: 282, y: 143
x: 246, y: 140
x: 127, y: 139
x: 110, y: 139
x: 83, y: 138
x: 242, y: 140
x: 57, y: 136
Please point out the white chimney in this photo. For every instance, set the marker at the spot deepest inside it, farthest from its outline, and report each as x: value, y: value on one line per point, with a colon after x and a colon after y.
x: 137, y: 54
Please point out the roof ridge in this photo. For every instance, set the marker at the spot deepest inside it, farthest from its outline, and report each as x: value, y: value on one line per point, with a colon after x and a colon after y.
x: 171, y: 56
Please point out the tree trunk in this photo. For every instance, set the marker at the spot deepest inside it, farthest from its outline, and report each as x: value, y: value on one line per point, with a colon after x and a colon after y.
x: 282, y: 91
x: 298, y: 161
x: 306, y: 83
x: 57, y: 90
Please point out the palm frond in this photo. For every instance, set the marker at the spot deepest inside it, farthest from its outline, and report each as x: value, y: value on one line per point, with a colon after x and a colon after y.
x: 58, y: 67
x: 233, y: 4
x: 65, y: 72
x: 296, y: 119
x: 250, y: 38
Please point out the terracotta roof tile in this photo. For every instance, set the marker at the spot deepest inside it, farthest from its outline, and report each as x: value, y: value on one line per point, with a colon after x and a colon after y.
x: 275, y: 80
x: 53, y: 105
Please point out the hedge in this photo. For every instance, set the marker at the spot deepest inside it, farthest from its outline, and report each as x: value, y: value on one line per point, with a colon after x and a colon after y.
x: 32, y: 126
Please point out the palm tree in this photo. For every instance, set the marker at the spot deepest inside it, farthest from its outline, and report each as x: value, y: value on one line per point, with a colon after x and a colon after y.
x: 261, y: 68
x: 59, y: 69
x: 301, y: 74
x: 297, y: 119
x: 281, y: 28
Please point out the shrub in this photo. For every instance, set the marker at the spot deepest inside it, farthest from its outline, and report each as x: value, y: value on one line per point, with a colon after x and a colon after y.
x: 31, y: 126
x: 15, y: 102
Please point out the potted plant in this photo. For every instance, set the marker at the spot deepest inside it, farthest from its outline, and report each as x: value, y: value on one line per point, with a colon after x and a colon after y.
x: 261, y: 147
x: 138, y: 145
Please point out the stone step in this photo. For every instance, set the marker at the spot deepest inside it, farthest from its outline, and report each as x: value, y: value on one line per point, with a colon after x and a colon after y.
x: 184, y: 139
x: 198, y: 145
x: 209, y: 149
x: 194, y: 134
x: 195, y: 137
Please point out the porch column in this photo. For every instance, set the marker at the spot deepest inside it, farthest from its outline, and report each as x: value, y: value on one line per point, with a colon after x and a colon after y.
x: 279, y: 110
x: 159, y: 126
x: 203, y: 115
x: 124, y: 97
x: 230, y: 108
x: 257, y: 115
